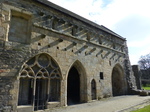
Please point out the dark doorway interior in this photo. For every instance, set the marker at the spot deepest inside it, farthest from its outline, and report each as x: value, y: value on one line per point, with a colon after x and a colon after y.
x: 93, y: 89
x: 73, y: 87
x: 117, y: 83
x: 25, y: 91
x: 40, y: 94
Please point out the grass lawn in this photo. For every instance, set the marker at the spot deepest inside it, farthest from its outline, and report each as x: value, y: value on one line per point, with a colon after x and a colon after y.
x: 146, y: 88
x: 145, y: 109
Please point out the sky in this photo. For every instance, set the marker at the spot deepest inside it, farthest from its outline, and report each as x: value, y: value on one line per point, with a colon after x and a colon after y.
x: 128, y: 18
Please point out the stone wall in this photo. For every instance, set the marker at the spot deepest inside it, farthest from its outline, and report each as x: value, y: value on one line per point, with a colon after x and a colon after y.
x: 137, y: 74
x: 30, y: 28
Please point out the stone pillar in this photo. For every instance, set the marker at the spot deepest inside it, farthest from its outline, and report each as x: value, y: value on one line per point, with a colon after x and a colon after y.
x: 137, y: 75
x: 64, y: 93
x: 130, y: 78
x: 88, y: 89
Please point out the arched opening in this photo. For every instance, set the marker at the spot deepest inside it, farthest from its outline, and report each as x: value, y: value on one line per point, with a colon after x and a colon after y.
x: 93, y: 89
x: 41, y: 93
x: 25, y: 97
x: 73, y: 87
x: 39, y: 82
x: 117, y: 81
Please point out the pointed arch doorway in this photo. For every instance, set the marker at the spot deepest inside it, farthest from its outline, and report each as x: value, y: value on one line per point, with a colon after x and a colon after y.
x: 76, y: 84
x: 93, y: 89
x: 118, y: 83
x: 73, y: 87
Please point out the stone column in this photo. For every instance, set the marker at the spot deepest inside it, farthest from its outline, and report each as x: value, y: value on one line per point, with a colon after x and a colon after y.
x: 137, y: 75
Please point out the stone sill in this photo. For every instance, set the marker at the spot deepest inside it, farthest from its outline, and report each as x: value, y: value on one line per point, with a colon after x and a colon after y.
x: 24, y: 106
x: 53, y: 104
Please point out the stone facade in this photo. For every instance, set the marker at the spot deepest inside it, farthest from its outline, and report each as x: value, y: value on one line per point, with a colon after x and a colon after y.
x: 51, y: 57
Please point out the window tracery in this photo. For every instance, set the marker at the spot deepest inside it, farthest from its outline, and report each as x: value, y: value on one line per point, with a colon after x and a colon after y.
x: 41, y: 67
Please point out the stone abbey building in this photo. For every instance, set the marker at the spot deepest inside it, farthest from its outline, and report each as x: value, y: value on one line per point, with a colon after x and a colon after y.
x: 51, y: 57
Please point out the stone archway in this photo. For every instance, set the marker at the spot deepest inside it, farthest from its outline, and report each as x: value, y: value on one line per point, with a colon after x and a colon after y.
x: 39, y: 80
x: 118, y: 83
x: 76, y: 84
x: 93, y: 89
x: 73, y: 87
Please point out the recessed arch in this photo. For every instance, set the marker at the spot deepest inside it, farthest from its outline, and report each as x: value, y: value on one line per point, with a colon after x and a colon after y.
x: 41, y: 78
x: 118, y: 82
x: 93, y: 89
x: 76, y: 74
x: 79, y: 66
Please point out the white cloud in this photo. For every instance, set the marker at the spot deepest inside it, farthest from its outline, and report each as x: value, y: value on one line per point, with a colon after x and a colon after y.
x: 134, y: 59
x: 120, y: 9
x: 80, y: 7
x: 137, y: 53
x: 138, y: 43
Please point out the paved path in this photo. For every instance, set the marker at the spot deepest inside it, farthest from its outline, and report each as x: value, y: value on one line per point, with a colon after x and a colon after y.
x: 113, y: 104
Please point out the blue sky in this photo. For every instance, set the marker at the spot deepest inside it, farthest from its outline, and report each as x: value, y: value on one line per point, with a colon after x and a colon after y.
x: 128, y: 18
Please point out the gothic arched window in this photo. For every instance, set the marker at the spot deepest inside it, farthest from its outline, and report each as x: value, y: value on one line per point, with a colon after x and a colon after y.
x: 40, y: 77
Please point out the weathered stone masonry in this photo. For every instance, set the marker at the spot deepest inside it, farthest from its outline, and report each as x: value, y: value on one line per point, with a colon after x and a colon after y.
x: 51, y: 57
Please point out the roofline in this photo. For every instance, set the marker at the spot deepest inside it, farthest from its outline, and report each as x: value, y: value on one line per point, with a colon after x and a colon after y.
x: 74, y: 15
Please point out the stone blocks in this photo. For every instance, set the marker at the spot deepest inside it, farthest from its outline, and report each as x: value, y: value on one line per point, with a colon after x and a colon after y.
x: 70, y: 41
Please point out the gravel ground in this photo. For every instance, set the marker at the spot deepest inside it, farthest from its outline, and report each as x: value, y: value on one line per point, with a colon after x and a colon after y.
x: 113, y: 104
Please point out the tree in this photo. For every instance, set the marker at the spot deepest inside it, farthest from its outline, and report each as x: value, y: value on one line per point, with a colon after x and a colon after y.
x: 144, y: 64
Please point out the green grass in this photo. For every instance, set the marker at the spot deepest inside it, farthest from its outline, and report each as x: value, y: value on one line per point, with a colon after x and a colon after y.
x: 145, y: 109
x: 146, y: 88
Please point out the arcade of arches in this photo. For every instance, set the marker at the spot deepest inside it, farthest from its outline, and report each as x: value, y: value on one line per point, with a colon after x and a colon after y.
x: 51, y: 57
x: 40, y: 83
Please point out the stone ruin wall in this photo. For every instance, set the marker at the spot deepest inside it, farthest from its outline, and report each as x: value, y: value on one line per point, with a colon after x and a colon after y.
x: 64, y: 38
